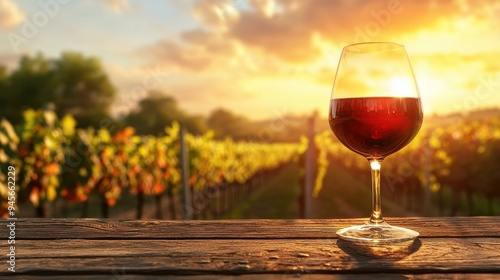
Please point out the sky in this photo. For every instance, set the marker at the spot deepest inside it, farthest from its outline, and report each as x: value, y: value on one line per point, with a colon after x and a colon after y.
x: 262, y: 58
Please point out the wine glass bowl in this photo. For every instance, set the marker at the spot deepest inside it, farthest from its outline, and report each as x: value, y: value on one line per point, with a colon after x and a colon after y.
x: 375, y: 111
x: 375, y: 127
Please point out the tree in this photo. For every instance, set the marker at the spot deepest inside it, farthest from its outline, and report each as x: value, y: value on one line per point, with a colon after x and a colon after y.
x: 29, y: 86
x: 3, y: 86
x: 194, y: 124
x: 227, y: 124
x: 83, y: 89
x: 73, y: 84
x: 158, y: 111
x: 3, y: 76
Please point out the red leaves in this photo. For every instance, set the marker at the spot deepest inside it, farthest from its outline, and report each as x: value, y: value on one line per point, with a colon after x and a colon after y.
x: 125, y: 134
x: 111, y: 201
x: 52, y: 168
x: 34, y: 196
x: 79, y: 194
x: 158, y: 188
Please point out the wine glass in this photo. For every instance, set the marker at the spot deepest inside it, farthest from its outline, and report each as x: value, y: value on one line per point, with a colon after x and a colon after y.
x: 375, y: 111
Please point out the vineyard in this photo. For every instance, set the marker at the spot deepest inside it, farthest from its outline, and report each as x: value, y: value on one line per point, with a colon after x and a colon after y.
x: 54, y: 160
x: 453, y: 170
x: 444, y: 171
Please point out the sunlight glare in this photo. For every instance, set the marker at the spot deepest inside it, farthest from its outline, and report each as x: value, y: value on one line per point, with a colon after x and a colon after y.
x: 402, y: 86
x: 375, y: 165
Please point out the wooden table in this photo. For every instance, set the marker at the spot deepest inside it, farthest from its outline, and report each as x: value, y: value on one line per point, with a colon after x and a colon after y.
x: 463, y: 247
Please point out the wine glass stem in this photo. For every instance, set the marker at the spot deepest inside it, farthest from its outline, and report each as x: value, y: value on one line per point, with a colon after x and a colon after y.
x: 376, y: 217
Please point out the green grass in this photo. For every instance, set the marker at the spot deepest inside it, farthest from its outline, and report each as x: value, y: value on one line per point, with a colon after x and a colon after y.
x: 277, y: 198
x: 341, y: 185
x: 479, y: 207
x: 343, y: 195
x: 346, y: 195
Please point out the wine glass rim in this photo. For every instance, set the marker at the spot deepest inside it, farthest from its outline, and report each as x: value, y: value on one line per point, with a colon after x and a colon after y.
x: 360, y: 47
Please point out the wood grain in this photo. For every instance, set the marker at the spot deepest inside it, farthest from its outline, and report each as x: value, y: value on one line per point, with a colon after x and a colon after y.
x: 258, y: 256
x: 274, y: 249
x: 124, y: 276
x: 248, y: 229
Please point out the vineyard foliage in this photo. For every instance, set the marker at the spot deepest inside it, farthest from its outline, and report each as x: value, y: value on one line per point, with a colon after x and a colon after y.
x: 53, y: 159
x: 464, y: 157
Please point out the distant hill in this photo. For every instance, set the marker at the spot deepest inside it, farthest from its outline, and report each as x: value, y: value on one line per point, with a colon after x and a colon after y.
x: 289, y: 128
x: 481, y: 114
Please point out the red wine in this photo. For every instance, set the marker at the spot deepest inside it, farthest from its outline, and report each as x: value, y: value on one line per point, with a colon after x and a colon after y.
x: 375, y: 127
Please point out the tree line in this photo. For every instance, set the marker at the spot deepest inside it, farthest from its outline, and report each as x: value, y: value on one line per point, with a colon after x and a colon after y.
x: 78, y: 85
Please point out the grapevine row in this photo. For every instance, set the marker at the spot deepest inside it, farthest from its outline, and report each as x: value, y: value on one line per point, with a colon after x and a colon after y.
x: 54, y: 160
x: 464, y: 158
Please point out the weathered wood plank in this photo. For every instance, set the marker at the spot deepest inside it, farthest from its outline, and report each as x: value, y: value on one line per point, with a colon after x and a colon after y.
x: 249, y: 229
x: 123, y: 276
x: 275, y: 249
x: 241, y: 256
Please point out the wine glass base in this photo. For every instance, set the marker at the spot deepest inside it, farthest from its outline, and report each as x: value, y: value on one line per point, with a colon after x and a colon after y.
x: 377, y: 233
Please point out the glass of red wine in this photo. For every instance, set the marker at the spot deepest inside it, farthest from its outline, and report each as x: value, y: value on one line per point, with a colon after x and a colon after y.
x: 375, y: 111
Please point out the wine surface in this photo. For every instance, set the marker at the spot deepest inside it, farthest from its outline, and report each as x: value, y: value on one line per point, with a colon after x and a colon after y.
x: 375, y: 127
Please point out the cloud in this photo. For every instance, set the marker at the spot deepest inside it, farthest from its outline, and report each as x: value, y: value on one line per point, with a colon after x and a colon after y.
x: 266, y: 48
x: 289, y: 33
x: 117, y: 6
x: 287, y: 29
x: 301, y: 32
x: 201, y: 50
x: 10, y: 14
x: 265, y: 7
x: 216, y: 13
x: 177, y: 56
